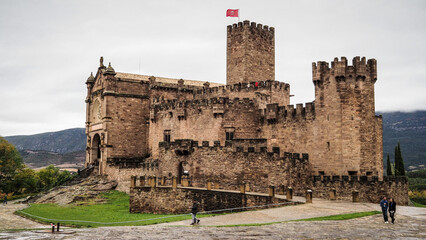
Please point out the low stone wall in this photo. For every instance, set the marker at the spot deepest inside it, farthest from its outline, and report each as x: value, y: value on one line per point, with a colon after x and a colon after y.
x: 162, y: 200
x: 369, y: 189
x: 122, y: 176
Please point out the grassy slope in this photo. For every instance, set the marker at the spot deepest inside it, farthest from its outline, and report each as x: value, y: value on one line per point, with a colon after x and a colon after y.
x: 115, y: 210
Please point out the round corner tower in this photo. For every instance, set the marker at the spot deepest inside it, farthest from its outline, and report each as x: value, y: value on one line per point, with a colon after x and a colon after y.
x: 250, y: 53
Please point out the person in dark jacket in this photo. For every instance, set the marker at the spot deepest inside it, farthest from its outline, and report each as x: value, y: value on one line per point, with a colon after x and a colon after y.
x: 194, y: 210
x: 5, y: 199
x: 392, y: 209
x: 384, y: 205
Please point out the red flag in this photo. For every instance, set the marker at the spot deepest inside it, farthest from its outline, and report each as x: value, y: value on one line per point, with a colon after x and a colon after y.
x: 232, y: 13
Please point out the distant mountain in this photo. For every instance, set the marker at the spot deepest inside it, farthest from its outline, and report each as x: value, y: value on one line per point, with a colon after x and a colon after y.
x: 41, y: 158
x: 408, y: 128
x: 65, y: 141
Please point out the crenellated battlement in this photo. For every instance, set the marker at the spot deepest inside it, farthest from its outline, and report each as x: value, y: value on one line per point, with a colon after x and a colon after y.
x: 249, y: 146
x: 270, y: 85
x: 362, y: 179
x: 274, y: 113
x: 252, y: 26
x: 201, y: 103
x: 360, y: 70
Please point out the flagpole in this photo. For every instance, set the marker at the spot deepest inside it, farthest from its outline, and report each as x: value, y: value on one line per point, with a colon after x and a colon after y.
x: 239, y: 15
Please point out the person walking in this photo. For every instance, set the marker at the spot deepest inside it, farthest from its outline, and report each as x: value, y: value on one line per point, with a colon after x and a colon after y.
x: 194, y: 210
x: 392, y: 209
x: 5, y: 199
x: 384, y: 205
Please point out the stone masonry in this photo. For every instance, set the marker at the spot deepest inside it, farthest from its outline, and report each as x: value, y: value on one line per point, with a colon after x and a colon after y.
x: 244, y: 131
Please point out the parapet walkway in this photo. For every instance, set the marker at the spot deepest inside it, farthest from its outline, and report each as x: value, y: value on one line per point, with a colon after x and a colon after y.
x: 318, y: 208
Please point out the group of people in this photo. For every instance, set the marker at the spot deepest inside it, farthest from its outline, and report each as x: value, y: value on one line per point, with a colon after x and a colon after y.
x: 388, y: 206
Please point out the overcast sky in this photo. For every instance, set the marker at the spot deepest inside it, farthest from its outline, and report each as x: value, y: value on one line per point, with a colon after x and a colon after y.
x: 49, y: 48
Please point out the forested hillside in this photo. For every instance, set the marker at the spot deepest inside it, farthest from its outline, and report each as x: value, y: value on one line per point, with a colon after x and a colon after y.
x: 408, y: 128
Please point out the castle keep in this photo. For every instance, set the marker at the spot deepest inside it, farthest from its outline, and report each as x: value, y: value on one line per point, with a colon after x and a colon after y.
x: 245, y: 131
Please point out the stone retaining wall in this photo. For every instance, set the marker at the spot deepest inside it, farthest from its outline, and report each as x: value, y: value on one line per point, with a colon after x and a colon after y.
x: 369, y: 189
x: 167, y: 200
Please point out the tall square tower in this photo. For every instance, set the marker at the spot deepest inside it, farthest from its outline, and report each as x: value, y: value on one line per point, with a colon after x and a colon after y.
x: 250, y: 53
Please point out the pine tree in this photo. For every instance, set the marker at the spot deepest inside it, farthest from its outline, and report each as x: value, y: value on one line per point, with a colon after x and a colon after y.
x: 388, y: 167
x: 399, y: 162
x: 396, y: 162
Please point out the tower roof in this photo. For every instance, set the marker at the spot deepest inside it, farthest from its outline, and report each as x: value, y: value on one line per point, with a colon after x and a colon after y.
x: 90, y: 79
x: 110, y: 70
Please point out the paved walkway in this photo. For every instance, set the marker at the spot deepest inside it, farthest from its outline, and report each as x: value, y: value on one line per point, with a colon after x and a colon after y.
x: 410, y: 224
x: 318, y: 208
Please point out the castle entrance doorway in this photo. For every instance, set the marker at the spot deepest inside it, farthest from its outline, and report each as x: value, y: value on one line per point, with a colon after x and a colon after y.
x: 96, y: 150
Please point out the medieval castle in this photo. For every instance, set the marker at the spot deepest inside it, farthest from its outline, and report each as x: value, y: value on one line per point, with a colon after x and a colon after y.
x: 245, y: 131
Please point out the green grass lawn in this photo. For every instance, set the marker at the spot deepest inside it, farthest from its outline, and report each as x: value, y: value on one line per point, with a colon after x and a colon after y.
x: 345, y: 216
x: 416, y: 204
x: 112, y: 213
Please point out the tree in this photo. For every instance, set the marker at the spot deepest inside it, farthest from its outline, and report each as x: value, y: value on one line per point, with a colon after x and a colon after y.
x: 388, y: 167
x: 48, y: 177
x: 51, y: 176
x: 10, y: 163
x: 399, y: 162
x: 25, y: 181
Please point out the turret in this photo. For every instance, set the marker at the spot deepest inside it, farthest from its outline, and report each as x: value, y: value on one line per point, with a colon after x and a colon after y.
x: 344, y: 101
x: 342, y: 76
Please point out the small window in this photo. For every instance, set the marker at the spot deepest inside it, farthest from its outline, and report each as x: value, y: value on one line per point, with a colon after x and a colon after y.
x: 369, y: 173
x: 250, y: 149
x: 166, y: 137
x: 229, y: 136
x: 328, y: 146
x: 352, y: 173
x: 321, y: 173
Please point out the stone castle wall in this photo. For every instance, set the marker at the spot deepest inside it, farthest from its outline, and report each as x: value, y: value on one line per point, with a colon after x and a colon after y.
x: 203, y: 120
x: 242, y: 161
